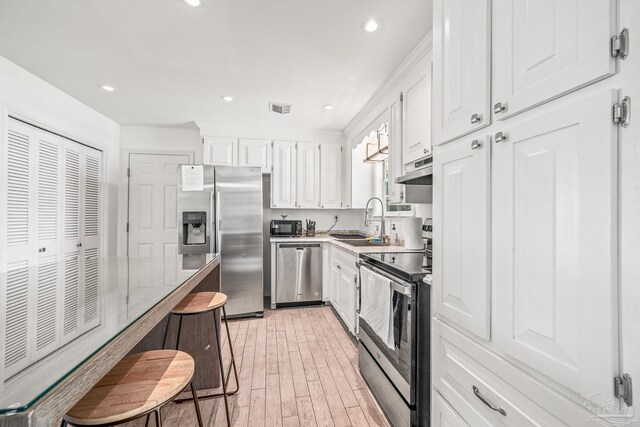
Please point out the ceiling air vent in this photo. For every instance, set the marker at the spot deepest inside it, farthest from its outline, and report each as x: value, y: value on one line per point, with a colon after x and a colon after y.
x: 279, y: 108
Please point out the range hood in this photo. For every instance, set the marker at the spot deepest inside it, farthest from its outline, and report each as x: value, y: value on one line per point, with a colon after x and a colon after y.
x: 421, y: 175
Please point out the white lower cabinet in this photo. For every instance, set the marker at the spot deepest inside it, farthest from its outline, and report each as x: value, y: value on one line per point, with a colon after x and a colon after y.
x: 344, y: 277
x: 487, y: 391
x: 443, y: 415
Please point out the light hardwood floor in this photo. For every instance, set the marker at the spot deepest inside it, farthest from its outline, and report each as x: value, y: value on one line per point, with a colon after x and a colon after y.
x: 297, y: 367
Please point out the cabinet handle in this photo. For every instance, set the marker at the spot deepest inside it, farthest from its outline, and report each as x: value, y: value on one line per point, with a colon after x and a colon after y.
x: 424, y: 151
x: 42, y: 249
x: 476, y: 144
x: 501, y: 137
x: 484, y: 400
x: 339, y: 267
x: 79, y: 245
x: 499, y: 107
x: 476, y: 118
x: 402, y: 195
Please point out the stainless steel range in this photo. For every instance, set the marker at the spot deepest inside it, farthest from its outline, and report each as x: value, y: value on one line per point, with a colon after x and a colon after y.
x: 394, y: 350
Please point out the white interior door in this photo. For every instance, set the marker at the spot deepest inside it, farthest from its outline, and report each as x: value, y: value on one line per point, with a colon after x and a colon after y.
x: 555, y: 191
x: 152, y: 204
x: 543, y: 49
x: 462, y: 234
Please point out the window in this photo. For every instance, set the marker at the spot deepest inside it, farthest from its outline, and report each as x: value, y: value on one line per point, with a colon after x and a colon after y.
x: 389, y: 208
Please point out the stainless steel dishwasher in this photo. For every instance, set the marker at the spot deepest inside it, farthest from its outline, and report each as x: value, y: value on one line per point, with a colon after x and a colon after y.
x: 298, y: 273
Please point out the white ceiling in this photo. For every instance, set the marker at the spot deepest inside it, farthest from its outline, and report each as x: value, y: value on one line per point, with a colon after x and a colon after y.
x: 171, y: 63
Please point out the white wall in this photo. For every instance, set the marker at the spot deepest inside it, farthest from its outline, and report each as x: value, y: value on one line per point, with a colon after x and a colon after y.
x: 30, y: 98
x: 150, y: 139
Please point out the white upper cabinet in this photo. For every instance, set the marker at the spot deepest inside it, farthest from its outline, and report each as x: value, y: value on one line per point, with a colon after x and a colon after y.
x: 554, y: 186
x: 283, y: 178
x: 255, y: 152
x: 546, y: 48
x: 308, y: 170
x: 416, y: 112
x: 220, y: 151
x: 331, y: 176
x: 461, y: 67
x: 396, y: 191
x: 461, y: 274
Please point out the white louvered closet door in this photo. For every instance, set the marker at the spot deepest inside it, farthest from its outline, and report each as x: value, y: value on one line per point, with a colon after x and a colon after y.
x: 82, y: 180
x: 18, y: 208
x: 47, y: 297
x: 89, y: 236
x: 71, y: 240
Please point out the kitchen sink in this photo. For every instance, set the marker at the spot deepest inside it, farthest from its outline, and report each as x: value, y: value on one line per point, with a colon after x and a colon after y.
x: 362, y: 242
x: 346, y: 236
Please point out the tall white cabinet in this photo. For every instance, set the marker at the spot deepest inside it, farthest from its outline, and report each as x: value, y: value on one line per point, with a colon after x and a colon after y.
x: 51, y: 202
x: 461, y: 67
x: 530, y: 324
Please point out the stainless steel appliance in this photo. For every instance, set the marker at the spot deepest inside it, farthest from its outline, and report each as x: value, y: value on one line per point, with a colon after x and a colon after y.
x: 285, y: 228
x: 225, y: 215
x: 399, y: 377
x: 298, y: 273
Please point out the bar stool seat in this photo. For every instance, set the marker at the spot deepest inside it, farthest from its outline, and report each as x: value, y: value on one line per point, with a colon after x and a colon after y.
x: 138, y: 385
x: 200, y: 302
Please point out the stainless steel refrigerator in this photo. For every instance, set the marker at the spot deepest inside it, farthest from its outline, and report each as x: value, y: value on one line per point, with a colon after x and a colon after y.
x: 223, y: 213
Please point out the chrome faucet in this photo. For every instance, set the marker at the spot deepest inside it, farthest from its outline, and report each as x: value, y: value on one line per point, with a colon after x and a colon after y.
x: 367, y: 221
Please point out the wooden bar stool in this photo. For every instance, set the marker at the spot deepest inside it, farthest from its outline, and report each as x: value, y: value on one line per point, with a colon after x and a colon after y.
x: 138, y: 385
x: 200, y: 303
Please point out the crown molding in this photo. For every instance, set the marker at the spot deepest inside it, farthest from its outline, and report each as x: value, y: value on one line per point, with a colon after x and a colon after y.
x: 238, y: 130
x: 423, y: 47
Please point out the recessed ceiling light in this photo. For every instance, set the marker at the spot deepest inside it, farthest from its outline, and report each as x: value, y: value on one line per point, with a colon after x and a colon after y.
x: 328, y: 107
x: 194, y: 3
x: 107, y: 88
x: 227, y: 98
x: 370, y: 25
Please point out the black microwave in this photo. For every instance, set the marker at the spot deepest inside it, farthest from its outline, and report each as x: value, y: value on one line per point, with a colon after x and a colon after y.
x: 285, y: 228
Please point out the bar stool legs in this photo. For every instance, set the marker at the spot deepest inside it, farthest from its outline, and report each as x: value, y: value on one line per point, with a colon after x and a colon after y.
x: 222, y: 379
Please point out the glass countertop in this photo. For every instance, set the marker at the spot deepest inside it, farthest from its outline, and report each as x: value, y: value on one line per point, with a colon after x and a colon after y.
x: 54, y: 316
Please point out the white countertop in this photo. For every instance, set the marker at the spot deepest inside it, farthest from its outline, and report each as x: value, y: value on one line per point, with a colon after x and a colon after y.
x: 325, y: 238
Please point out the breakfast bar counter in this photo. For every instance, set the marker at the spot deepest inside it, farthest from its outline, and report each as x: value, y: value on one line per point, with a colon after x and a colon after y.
x: 61, y: 335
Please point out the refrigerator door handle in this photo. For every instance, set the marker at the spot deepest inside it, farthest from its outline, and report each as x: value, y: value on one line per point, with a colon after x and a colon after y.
x: 217, y: 249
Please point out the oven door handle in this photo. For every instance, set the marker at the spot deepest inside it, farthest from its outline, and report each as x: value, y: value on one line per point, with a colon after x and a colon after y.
x: 399, y: 286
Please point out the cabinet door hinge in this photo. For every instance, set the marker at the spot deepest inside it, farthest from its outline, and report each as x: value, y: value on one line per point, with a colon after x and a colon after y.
x: 401, y: 97
x: 127, y: 227
x: 622, y: 112
x: 128, y: 172
x: 623, y: 389
x: 620, y: 45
